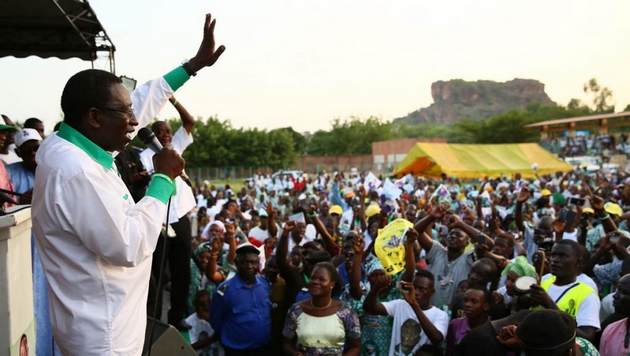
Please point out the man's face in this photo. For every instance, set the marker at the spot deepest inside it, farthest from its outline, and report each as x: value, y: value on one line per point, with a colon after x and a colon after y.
x: 298, y: 232
x: 27, y: 153
x: 480, y: 274
x: 543, y: 230
x: 296, y: 256
x: 621, y: 298
x: 247, y: 265
x: 424, y: 290
x: 271, y: 270
x: 502, y: 247
x: 163, y: 133
x: 410, y: 214
x: 10, y: 138
x: 324, y: 208
x: 39, y: 127
x: 564, y: 262
x: 264, y: 222
x: 409, y: 335
x: 115, y: 128
x: 3, y: 138
x: 475, y: 303
x: 456, y: 240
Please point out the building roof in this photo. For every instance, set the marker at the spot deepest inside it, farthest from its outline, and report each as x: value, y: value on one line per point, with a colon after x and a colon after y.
x: 52, y: 28
x: 579, y: 119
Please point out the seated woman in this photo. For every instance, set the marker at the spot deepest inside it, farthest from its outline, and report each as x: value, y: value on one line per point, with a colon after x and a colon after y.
x: 322, y: 325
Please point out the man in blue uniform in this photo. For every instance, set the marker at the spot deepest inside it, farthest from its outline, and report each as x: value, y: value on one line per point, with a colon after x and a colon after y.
x: 240, y: 311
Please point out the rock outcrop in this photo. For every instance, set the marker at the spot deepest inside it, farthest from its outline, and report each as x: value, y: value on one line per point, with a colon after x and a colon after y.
x: 456, y: 99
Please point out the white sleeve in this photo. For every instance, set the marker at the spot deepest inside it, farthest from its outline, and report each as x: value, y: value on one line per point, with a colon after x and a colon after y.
x: 588, y: 312
x: 181, y: 140
x: 109, y: 225
x: 149, y: 99
x: 392, y: 306
x: 147, y: 161
x: 441, y: 322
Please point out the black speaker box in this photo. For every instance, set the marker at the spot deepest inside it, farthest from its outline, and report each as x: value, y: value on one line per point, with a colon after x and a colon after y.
x: 167, y: 341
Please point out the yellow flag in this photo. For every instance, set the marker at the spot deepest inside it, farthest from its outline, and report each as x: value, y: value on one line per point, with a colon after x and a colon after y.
x: 390, y: 246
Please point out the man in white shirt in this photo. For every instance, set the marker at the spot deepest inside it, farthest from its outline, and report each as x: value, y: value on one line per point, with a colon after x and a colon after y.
x: 98, y: 269
x: 416, y: 321
x: 178, y: 250
x: 261, y: 233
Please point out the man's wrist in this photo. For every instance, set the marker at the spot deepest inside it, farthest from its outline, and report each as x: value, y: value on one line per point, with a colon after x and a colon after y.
x: 194, y: 65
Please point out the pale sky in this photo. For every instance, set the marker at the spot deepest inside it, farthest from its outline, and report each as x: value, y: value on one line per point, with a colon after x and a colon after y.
x: 302, y: 64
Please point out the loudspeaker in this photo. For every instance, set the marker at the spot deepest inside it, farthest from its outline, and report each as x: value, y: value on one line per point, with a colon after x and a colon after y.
x: 167, y: 341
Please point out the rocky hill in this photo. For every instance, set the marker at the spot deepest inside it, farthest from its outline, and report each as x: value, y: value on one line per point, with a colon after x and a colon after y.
x: 456, y: 99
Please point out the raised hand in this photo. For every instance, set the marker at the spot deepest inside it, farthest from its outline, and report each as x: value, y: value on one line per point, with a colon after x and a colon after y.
x: 438, y: 213
x: 207, y: 55
x: 229, y: 229
x: 523, y: 195
x: 559, y: 226
x: 407, y: 291
x: 597, y: 202
x: 358, y: 244
x: 452, y: 220
x: 382, y: 281
x: 289, y: 226
x: 216, y: 244
x: 269, y: 209
x: 412, y: 236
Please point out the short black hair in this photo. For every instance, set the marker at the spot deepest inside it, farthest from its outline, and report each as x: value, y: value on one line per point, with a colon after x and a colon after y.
x: 87, y: 89
x: 486, y: 293
x: 31, y: 122
x: 202, y: 293
x: 155, y: 124
x: 576, y: 247
x: 426, y: 274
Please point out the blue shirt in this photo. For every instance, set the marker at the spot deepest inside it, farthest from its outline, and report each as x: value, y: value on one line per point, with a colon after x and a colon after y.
x: 23, y: 179
x: 241, y: 313
x: 344, y: 274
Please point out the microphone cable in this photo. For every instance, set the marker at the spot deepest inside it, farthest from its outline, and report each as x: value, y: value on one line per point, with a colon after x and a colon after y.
x: 159, y: 281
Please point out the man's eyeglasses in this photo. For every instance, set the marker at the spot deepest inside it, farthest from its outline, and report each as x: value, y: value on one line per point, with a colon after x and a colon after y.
x: 130, y: 113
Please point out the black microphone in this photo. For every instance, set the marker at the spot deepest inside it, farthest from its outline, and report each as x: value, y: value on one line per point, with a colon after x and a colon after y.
x: 149, y: 139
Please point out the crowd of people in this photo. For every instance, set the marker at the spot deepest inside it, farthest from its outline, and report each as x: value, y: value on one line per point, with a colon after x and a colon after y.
x: 478, y: 262
x: 327, y: 264
x: 601, y: 145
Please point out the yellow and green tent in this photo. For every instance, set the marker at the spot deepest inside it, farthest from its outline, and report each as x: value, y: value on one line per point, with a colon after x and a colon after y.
x: 478, y: 161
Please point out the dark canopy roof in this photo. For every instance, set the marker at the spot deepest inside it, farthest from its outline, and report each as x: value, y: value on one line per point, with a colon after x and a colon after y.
x: 51, y: 28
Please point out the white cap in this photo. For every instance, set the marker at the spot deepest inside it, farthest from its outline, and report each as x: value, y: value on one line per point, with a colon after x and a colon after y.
x: 26, y: 135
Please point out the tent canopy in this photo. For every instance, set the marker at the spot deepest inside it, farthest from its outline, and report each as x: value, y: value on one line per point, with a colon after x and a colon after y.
x: 478, y: 161
x: 52, y: 28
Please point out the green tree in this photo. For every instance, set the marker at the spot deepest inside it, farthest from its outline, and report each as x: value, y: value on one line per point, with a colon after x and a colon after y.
x: 601, y: 96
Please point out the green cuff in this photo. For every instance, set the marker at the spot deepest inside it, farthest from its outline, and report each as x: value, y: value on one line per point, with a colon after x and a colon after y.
x: 176, y: 78
x: 161, y: 188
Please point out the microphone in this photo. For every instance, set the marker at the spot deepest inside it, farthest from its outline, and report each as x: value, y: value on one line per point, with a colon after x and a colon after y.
x: 149, y: 139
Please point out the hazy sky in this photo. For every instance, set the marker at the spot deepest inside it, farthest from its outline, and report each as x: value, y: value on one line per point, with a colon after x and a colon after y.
x: 302, y: 64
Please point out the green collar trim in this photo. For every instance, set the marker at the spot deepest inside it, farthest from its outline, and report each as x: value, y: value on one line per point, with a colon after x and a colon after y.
x: 76, y: 138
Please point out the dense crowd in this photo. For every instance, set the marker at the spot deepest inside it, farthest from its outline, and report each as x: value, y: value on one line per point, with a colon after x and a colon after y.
x: 358, y: 264
x: 326, y: 264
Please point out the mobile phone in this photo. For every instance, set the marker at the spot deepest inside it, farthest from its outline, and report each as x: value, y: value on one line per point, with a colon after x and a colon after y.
x: 570, y: 217
x: 481, y: 239
x: 577, y: 201
x: 402, y: 287
x: 563, y: 214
